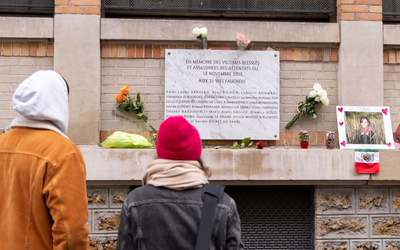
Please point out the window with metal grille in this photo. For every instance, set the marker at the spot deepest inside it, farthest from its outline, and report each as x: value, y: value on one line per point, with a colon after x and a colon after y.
x: 311, y: 9
x: 275, y: 217
x: 23, y: 7
x: 391, y: 10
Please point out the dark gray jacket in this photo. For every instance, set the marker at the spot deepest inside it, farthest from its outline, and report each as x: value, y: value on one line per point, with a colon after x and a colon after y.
x: 156, y: 218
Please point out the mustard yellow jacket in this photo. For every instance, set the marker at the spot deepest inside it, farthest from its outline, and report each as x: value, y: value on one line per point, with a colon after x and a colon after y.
x: 43, y: 202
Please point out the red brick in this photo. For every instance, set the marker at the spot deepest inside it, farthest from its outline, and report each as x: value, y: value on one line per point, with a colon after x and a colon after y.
x: 139, y: 51
x: 281, y: 140
x: 270, y: 143
x: 296, y: 136
x: 334, y: 55
x: 146, y: 134
x: 319, y: 55
x: 148, y: 51
x: 398, y: 56
x: 188, y: 47
x: 50, y: 49
x: 33, y: 49
x: 196, y: 47
x: 25, y: 49
x: 156, y: 51
x: 92, y: 10
x: 163, y: 48
x: 68, y: 10
x: 339, y: 2
x: 6, y: 49
x: 16, y: 49
x: 86, y: 2
x: 289, y: 138
x: 320, y: 138
x: 304, y: 54
x: 172, y: 46
x: 122, y: 51
x: 297, y: 54
x: 289, y: 54
x: 281, y: 53
x: 313, y: 138
x: 346, y: 16
x: 353, y: 8
x: 327, y: 54
x: 385, y: 56
x: 61, y: 2
x: 105, y: 50
x: 311, y: 54
x: 375, y: 9
x: 376, y: 2
x: 392, y: 57
x: 42, y: 49
x: 131, y: 51
x: 114, y: 51
x: 181, y: 46
x: 103, y: 135
x: 218, y: 47
x: 369, y: 17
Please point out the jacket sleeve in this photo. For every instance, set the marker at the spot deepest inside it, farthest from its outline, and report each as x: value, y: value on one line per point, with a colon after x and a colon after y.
x: 65, y: 195
x: 125, y: 237
x: 233, y: 232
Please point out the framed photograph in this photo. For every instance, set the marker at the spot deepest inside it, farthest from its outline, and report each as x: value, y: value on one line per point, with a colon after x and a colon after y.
x: 364, y: 127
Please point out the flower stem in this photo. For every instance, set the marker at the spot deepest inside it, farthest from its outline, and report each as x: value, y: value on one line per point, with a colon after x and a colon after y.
x: 295, y: 118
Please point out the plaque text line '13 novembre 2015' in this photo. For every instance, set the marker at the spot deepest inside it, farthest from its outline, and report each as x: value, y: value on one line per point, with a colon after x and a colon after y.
x: 224, y: 94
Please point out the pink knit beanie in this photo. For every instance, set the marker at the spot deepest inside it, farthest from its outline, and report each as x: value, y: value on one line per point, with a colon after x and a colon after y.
x: 177, y: 139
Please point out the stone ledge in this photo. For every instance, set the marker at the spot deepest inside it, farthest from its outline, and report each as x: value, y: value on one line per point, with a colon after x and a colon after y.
x: 26, y: 27
x: 176, y: 30
x: 314, y: 164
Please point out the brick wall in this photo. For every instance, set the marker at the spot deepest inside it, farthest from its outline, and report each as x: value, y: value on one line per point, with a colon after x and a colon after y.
x: 13, y: 70
x: 88, y: 7
x: 359, y: 10
x: 357, y: 218
x: 141, y: 67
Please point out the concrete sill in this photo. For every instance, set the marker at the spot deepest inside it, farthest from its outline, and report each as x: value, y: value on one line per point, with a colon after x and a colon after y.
x: 245, y: 165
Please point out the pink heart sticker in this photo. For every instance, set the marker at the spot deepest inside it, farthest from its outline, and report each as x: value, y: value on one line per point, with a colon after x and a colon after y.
x: 385, y: 111
x: 341, y: 123
x: 389, y: 144
x: 343, y: 143
x: 340, y: 109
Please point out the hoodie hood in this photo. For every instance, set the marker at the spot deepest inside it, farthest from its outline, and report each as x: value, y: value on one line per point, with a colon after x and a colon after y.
x: 43, y: 96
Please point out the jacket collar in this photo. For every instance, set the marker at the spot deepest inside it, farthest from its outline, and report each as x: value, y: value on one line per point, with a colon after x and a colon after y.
x: 22, y: 121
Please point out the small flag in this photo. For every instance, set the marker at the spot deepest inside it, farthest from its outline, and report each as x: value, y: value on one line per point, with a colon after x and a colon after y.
x: 367, y: 161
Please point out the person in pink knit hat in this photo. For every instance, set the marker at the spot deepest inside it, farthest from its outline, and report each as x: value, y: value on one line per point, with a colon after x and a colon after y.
x: 165, y: 212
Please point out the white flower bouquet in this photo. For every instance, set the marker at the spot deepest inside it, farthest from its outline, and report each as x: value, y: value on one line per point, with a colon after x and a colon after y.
x: 201, y: 34
x: 316, y: 96
x: 242, y: 41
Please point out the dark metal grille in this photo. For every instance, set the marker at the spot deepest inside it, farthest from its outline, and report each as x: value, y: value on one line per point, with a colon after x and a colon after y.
x: 275, y: 217
x: 314, y: 6
x: 391, y: 7
x: 27, y: 3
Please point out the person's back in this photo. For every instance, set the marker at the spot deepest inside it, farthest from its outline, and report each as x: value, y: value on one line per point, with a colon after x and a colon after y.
x: 42, y: 180
x: 166, y: 212
x: 162, y: 218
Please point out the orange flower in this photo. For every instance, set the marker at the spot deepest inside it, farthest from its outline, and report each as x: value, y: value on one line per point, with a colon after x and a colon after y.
x: 125, y: 90
x: 120, y: 97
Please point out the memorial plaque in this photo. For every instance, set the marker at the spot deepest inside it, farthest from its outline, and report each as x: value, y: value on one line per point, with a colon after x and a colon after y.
x: 224, y: 94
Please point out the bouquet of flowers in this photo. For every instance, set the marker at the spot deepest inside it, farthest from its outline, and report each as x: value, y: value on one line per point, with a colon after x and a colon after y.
x: 201, y: 34
x: 316, y: 96
x: 132, y: 105
x: 242, y: 41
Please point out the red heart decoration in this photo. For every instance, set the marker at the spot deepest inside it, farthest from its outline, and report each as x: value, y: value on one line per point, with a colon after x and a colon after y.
x: 340, y: 109
x: 385, y: 111
x: 343, y: 143
x: 341, y: 123
x: 389, y: 144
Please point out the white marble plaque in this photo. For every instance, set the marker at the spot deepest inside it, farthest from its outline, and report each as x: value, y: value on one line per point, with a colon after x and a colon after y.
x: 224, y: 94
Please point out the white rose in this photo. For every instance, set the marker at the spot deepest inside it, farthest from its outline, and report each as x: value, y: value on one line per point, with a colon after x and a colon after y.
x: 325, y: 101
x: 317, y: 87
x: 317, y: 99
x: 203, y: 32
x: 196, y: 31
x: 313, y: 93
x: 322, y: 93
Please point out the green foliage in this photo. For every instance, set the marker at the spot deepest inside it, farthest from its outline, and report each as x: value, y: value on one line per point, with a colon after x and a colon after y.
x: 303, y: 136
x: 243, y: 144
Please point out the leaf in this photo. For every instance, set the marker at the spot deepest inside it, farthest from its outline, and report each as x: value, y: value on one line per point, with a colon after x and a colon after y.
x: 121, y: 110
x: 138, y: 97
x: 217, y: 147
x: 250, y: 144
x: 246, y: 140
x: 242, y: 145
x: 235, y: 144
